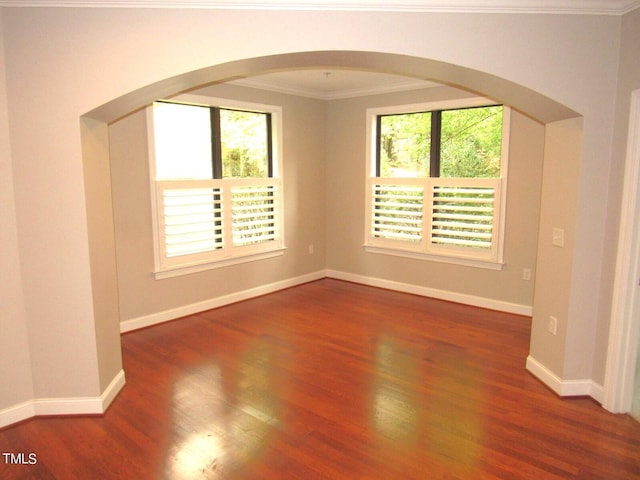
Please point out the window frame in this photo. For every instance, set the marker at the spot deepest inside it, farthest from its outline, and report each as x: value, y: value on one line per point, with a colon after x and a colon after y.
x: 227, y: 254
x: 425, y: 249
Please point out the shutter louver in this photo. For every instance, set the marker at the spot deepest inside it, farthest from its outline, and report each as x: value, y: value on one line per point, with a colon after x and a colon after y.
x: 205, y: 220
x: 463, y: 216
x: 254, y: 213
x: 192, y: 220
x: 397, y: 212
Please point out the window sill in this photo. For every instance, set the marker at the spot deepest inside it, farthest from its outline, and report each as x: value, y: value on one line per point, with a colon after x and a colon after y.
x: 201, y: 267
x: 467, y: 262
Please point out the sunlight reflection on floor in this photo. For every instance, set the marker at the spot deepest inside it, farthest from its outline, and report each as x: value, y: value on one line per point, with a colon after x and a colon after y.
x: 238, y: 414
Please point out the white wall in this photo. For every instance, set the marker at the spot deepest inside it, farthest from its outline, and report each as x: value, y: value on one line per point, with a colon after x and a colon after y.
x: 63, y: 62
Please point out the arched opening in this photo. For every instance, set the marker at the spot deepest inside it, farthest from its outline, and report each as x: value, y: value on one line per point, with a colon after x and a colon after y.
x: 524, y: 99
x: 96, y: 155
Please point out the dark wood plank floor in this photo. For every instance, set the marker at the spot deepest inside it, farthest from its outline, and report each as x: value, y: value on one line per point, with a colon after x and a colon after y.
x: 332, y: 380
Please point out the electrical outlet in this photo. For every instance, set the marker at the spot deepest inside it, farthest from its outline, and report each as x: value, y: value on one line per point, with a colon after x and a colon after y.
x: 526, y: 274
x: 553, y: 325
x: 311, y: 248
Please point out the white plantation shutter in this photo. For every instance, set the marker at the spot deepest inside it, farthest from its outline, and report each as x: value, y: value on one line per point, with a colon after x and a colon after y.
x: 191, y: 220
x: 197, y: 226
x: 397, y: 212
x: 465, y: 215
x: 255, y: 214
x: 445, y: 216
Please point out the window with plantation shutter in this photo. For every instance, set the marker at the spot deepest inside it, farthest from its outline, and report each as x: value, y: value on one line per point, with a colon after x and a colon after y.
x: 437, y: 181
x: 215, y: 172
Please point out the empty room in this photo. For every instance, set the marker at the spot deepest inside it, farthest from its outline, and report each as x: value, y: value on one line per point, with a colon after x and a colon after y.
x: 319, y: 240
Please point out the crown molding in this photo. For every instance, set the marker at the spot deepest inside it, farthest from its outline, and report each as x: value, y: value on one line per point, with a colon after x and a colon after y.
x: 333, y: 95
x: 578, y: 7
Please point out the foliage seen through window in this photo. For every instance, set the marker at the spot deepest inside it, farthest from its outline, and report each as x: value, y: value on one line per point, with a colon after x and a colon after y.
x: 461, y: 143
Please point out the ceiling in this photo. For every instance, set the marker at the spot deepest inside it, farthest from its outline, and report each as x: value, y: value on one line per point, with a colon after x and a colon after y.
x: 333, y: 84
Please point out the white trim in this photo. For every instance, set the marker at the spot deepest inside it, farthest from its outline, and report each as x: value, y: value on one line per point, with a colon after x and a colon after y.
x: 597, y: 392
x: 449, y: 296
x: 585, y: 7
x: 170, y: 272
x: 505, y: 155
x: 564, y: 388
x: 452, y: 104
x: 174, y: 313
x: 81, y: 405
x: 63, y: 406
x: 113, y: 389
x: 155, y: 224
x: 622, y: 349
x: 178, y: 312
x: 17, y: 413
x: 467, y: 262
x: 335, y: 95
x: 207, y: 101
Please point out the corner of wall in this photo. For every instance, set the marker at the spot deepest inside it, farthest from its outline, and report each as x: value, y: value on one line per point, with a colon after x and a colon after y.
x: 63, y: 406
x: 564, y: 388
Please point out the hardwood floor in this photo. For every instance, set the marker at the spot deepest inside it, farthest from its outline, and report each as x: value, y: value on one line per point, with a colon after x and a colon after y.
x: 332, y: 380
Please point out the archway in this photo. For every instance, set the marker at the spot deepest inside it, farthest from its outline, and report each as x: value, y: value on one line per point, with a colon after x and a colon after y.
x: 524, y: 99
x: 96, y: 147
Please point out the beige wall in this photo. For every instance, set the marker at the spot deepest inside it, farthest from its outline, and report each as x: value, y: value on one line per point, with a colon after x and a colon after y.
x: 100, y: 225
x: 15, y: 362
x: 562, y: 154
x: 346, y: 166
x: 63, y: 62
x: 303, y: 176
x: 309, y: 132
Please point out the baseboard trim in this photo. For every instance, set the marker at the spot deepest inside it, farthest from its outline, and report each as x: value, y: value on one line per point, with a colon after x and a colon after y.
x: 17, y: 413
x: 564, y: 388
x: 113, y: 389
x: 111, y: 392
x: 174, y: 313
x: 81, y: 405
x: 63, y: 406
x: 597, y: 392
x: 475, y: 301
x: 183, y: 311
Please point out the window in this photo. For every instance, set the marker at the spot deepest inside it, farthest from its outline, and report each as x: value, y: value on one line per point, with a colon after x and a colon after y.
x: 436, y: 183
x: 217, y: 193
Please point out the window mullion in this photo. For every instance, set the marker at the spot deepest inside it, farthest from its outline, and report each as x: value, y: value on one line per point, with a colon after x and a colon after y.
x: 269, y: 146
x: 216, y: 143
x: 434, y: 154
x: 378, y: 144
